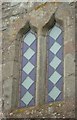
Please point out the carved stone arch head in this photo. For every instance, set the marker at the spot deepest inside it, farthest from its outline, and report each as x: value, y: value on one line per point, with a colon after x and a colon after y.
x: 17, y: 61
x: 26, y: 28
x: 52, y: 21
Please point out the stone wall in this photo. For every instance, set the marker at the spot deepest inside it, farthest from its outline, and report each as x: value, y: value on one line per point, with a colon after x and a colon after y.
x: 15, y: 18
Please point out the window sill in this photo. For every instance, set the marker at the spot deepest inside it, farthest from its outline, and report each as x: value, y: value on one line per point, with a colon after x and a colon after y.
x: 61, y: 109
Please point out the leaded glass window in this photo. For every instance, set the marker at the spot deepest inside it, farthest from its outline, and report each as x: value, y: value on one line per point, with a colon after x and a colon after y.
x: 54, y: 70
x: 27, y: 85
x: 55, y: 64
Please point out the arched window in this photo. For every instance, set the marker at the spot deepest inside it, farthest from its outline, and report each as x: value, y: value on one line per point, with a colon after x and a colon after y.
x: 30, y: 85
x: 55, y: 64
x: 27, y: 85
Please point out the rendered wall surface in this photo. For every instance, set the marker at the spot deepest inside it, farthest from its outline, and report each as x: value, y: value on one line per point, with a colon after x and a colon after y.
x: 17, y: 18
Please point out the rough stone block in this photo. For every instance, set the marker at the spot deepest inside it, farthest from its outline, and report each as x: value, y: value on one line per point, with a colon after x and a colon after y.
x: 7, y: 93
x: 7, y: 70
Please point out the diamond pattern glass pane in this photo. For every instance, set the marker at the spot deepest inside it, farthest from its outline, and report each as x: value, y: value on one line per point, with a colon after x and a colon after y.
x: 29, y: 39
x: 55, y: 69
x: 55, y: 62
x: 55, y: 77
x: 27, y: 87
x: 27, y: 83
x: 55, y: 48
x: 27, y: 98
x: 54, y: 93
x: 28, y: 67
x: 55, y: 32
x: 29, y: 53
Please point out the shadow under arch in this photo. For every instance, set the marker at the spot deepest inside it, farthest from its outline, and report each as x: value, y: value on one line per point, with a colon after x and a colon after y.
x: 52, y: 21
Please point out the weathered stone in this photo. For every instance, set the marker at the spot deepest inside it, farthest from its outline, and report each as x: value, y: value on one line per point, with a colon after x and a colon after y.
x: 9, y: 54
x: 50, y: 110
x: 41, y: 16
x: 7, y: 92
x: 41, y: 12
x: 19, y: 10
x: 7, y: 70
x: 13, y: 4
x: 70, y: 48
x: 70, y: 70
x: 70, y: 90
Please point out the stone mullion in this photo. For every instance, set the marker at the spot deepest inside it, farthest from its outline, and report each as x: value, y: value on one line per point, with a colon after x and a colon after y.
x: 41, y: 68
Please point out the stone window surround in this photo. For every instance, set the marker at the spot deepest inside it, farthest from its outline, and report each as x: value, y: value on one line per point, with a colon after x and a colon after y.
x: 17, y: 60
x: 41, y: 69
x: 41, y: 34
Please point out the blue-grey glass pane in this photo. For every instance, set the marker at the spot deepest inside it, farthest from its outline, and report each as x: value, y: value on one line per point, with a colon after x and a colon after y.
x: 54, y: 93
x: 29, y: 39
x: 55, y: 32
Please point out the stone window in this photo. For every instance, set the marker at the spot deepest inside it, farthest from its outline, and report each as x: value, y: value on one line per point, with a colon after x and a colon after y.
x: 53, y: 59
x: 53, y: 77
